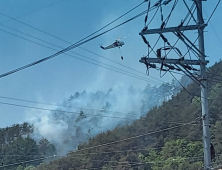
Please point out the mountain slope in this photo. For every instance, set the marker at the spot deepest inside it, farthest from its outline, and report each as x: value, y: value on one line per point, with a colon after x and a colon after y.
x: 130, y: 146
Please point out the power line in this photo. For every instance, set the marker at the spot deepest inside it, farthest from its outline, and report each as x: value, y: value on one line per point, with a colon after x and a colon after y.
x: 67, y: 48
x: 80, y: 108
x: 119, y: 163
x: 213, y: 11
x: 49, y: 5
x: 80, y: 40
x: 71, y: 51
x: 134, y: 137
x: 62, y: 111
x: 128, y: 150
x: 206, y: 23
x: 115, y: 69
x: 83, y: 38
x: 184, y: 87
x: 33, y: 160
x: 106, y: 152
x: 213, y: 28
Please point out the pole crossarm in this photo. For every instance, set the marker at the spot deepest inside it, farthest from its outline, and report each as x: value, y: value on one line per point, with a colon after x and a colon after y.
x: 172, y: 29
x: 202, y: 62
x: 171, y: 61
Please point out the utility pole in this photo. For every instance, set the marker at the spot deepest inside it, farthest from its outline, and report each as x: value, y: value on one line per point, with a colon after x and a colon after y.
x: 203, y: 79
x: 182, y: 64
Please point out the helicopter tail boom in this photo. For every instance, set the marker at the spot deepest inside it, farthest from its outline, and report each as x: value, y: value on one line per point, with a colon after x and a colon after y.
x: 102, y: 47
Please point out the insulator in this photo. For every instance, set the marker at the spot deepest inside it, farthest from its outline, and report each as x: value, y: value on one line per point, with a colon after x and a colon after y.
x: 166, y: 2
x: 158, y: 53
x: 164, y: 38
x: 170, y: 67
x: 162, y: 25
x: 152, y: 65
x: 166, y: 48
x: 181, y: 24
x: 144, y: 39
x: 188, y: 67
x: 145, y: 19
x: 157, y: 3
x: 178, y: 51
x: 194, y: 69
x: 144, y: 29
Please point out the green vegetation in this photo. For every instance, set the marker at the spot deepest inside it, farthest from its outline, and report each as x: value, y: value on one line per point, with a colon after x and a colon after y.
x: 19, y: 151
x: 143, y: 146
x: 159, y: 140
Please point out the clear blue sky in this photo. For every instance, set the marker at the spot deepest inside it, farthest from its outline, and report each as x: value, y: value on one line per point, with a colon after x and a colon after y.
x: 71, y: 20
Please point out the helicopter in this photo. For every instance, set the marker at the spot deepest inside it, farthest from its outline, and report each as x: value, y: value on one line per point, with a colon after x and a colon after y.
x: 117, y: 43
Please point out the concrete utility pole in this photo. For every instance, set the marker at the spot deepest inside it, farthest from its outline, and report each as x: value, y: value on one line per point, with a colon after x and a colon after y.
x: 203, y: 79
x: 184, y: 64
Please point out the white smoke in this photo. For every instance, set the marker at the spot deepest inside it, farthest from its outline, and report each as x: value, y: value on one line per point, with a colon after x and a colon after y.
x: 86, y: 114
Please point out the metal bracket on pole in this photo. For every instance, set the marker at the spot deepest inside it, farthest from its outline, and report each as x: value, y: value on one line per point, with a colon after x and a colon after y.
x: 172, y: 29
x: 178, y: 31
x: 171, y: 61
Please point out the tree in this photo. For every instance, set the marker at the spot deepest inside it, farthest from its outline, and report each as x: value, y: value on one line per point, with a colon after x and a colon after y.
x: 45, y: 148
x: 30, y: 168
x: 20, y: 167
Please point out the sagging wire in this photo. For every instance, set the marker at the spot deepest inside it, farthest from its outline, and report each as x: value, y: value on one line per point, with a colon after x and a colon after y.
x: 75, y: 45
x: 184, y: 87
x: 163, y: 24
x: 147, y: 14
x: 190, y: 11
x: 173, y: 47
x: 189, y: 74
x: 148, y: 65
x: 167, y: 48
x: 180, y: 25
x: 157, y: 5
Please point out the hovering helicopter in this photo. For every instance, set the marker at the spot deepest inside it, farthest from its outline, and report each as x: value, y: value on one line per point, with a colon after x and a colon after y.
x: 117, y: 43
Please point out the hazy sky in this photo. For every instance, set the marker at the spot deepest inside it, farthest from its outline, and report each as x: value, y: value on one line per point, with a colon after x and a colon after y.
x: 25, y: 32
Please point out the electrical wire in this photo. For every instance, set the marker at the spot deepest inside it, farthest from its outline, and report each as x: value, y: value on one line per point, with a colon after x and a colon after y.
x: 70, y: 107
x: 67, y: 48
x: 213, y: 11
x: 127, y: 163
x: 123, y: 65
x: 80, y: 55
x: 195, y: 54
x: 118, y: 70
x: 49, y: 5
x: 213, y: 28
x: 62, y: 111
x: 165, y: 21
x: 191, y: 8
x: 33, y: 160
x: 83, y: 38
x: 80, y: 40
x: 195, y: 159
x: 107, y: 152
x: 207, y: 21
x: 190, y: 11
x: 135, y: 137
x: 184, y: 87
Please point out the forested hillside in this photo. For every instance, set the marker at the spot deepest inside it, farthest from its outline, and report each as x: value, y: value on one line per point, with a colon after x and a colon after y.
x: 19, y: 151
x: 86, y: 114
x: 167, y: 137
